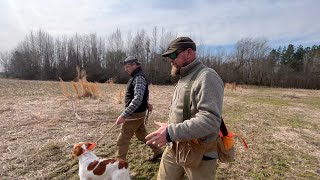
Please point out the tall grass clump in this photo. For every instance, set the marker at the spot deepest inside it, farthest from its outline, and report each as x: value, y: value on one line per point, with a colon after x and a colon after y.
x: 120, y: 96
x: 80, y: 86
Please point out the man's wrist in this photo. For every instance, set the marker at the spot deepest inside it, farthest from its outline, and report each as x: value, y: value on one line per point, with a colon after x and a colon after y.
x: 124, y: 115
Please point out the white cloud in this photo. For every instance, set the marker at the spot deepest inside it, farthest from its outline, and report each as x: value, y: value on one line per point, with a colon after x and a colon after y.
x: 209, y: 22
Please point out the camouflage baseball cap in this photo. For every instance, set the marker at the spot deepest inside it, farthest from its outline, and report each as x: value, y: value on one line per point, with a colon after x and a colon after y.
x: 131, y: 60
x: 180, y: 43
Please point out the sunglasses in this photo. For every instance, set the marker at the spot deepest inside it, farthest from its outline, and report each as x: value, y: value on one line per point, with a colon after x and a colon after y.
x: 175, y: 54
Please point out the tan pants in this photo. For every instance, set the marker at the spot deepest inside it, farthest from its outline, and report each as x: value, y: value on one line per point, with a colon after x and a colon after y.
x: 170, y: 170
x: 128, y: 129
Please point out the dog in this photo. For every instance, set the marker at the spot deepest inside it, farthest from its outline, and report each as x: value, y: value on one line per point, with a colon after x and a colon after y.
x: 93, y: 167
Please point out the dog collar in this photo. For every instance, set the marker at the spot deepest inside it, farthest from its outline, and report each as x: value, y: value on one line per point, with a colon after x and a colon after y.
x: 90, y: 147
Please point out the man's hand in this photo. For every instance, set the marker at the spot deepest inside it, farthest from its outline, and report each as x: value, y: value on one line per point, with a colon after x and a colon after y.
x: 120, y: 120
x: 158, y: 137
x: 150, y: 107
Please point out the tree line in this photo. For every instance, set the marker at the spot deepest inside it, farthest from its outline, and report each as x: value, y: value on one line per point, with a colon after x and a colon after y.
x: 40, y: 56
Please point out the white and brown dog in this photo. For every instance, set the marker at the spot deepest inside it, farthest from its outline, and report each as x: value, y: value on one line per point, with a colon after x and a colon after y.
x: 92, y: 167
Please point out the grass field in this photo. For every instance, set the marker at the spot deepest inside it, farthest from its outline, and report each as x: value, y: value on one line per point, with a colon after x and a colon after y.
x: 39, y: 125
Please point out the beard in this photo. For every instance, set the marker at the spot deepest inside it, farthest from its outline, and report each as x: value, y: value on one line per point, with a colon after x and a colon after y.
x: 174, y: 71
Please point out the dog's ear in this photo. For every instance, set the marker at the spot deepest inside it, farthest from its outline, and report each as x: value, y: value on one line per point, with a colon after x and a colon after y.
x: 90, y: 145
x: 77, y: 150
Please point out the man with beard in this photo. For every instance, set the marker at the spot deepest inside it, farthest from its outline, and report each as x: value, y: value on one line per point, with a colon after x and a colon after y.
x: 136, y: 104
x: 203, y: 124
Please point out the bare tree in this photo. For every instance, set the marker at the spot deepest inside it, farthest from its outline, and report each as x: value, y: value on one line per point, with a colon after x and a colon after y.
x: 4, y: 62
x: 248, y: 55
x: 114, y: 55
x: 61, y: 55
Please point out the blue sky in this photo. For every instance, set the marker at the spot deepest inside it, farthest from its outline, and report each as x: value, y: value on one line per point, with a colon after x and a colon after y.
x: 215, y: 23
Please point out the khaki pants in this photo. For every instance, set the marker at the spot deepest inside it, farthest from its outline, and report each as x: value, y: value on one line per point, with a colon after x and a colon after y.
x: 170, y: 170
x: 128, y: 129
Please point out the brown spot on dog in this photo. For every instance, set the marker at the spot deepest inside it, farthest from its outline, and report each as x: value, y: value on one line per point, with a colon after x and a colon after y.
x: 77, y: 150
x: 92, y: 165
x: 102, y: 166
x: 87, y: 144
x: 122, y: 164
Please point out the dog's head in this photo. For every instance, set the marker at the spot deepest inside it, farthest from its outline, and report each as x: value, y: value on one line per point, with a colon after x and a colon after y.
x: 82, y: 147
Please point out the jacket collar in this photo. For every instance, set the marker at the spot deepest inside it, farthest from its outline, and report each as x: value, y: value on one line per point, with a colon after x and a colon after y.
x: 138, y: 69
x: 184, y: 71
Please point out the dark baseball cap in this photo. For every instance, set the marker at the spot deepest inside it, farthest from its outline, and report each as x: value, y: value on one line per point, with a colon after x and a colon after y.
x: 182, y: 43
x: 131, y: 60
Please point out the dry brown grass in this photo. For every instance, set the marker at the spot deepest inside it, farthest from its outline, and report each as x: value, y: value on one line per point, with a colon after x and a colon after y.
x: 86, y: 89
x: 234, y: 86
x: 64, y: 88
x: 39, y: 126
x: 111, y: 81
x: 231, y: 86
x: 80, y: 89
x: 120, y: 96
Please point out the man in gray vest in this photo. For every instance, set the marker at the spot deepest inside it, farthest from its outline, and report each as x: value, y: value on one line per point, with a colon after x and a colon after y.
x: 136, y: 104
x: 203, y: 124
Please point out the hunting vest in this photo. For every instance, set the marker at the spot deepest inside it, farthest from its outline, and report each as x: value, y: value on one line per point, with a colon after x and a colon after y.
x: 130, y: 91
